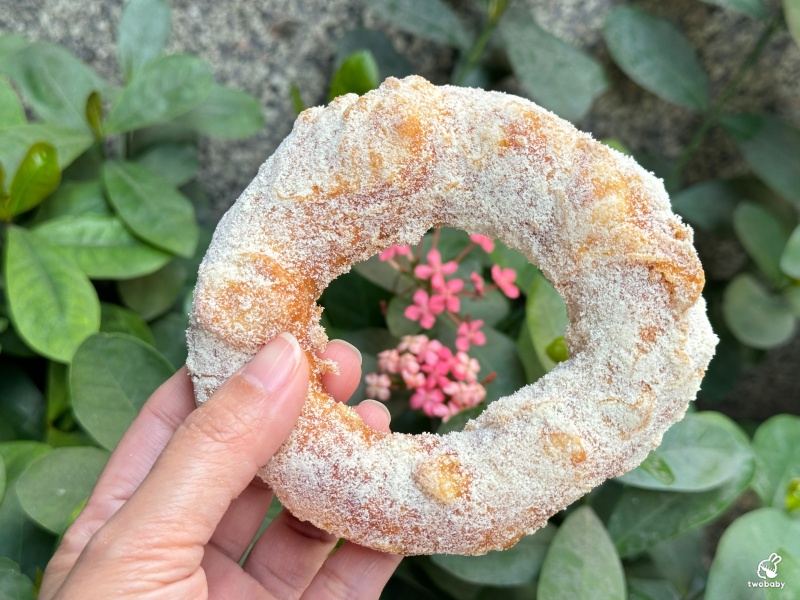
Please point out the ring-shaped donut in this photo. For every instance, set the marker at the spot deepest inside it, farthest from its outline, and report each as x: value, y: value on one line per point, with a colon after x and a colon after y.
x: 366, y: 173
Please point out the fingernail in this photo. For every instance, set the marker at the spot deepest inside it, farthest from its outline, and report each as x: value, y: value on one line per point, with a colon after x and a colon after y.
x: 381, y: 404
x: 273, y: 365
x: 349, y: 345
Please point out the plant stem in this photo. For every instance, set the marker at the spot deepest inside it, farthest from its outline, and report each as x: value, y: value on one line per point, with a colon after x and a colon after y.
x: 712, y: 116
x: 476, y: 51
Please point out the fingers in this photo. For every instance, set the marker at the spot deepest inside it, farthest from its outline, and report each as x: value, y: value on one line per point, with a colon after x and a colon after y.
x: 288, y: 555
x: 348, y: 358
x: 353, y: 572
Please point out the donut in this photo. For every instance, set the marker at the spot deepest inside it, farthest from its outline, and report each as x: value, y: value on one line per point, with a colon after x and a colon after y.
x: 366, y: 173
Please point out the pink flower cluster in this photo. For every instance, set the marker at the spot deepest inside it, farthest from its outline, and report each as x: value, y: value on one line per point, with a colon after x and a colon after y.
x: 443, y: 383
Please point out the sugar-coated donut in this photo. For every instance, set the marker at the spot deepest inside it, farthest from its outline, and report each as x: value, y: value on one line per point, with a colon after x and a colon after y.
x: 366, y: 173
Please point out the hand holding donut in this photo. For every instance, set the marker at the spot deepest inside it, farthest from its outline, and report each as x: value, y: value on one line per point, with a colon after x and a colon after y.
x: 177, y: 504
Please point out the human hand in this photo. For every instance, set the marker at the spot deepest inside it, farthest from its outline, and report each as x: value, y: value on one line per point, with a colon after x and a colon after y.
x: 178, y: 503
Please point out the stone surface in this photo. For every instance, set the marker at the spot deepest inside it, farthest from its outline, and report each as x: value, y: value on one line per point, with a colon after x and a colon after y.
x: 263, y: 46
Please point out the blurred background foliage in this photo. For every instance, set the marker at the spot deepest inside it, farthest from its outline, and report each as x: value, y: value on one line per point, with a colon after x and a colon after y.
x: 104, y: 225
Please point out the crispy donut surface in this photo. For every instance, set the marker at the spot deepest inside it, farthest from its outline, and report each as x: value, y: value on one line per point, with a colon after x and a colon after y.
x: 363, y: 174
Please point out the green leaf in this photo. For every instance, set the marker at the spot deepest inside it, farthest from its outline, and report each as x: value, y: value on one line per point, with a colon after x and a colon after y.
x: 752, y: 8
x: 154, y: 294
x: 226, y: 114
x: 54, y: 484
x: 384, y: 275
x: 169, y: 333
x: 680, y: 560
x: 756, y: 317
x: 112, y: 376
x: 708, y: 205
x: 41, y: 281
x: 55, y: 83
x: 517, y: 565
x: 10, y: 45
x: 37, y: 177
x: 777, y: 448
x: 11, y: 111
x: 556, y: 75
x: 116, y: 319
x: 581, y: 561
x: 429, y: 19
x: 353, y: 302
x: 641, y: 519
x: 57, y: 391
x: 13, y: 584
x: 546, y: 318
x: 763, y: 237
x: 530, y: 360
x: 508, y: 258
x: 396, y: 321
x: 491, y: 308
x: 177, y: 163
x: 657, y: 56
x: 790, y: 259
x: 16, y: 141
x: 102, y: 247
x: 94, y: 114
x: 74, y: 198
x: 655, y: 466
x: 699, y: 451
x: 792, y: 295
x: 770, y: 146
x: 22, y: 406
x: 164, y: 89
x: 750, y: 540
x: 390, y: 62
x: 357, y: 75
x: 2, y: 478
x: 154, y: 210
x: 791, y: 12
x: 143, y: 33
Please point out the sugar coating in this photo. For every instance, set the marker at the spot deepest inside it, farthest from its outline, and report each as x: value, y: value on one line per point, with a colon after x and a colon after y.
x: 363, y: 174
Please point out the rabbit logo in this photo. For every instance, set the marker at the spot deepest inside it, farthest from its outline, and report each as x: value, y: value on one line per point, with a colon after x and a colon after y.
x: 768, y: 568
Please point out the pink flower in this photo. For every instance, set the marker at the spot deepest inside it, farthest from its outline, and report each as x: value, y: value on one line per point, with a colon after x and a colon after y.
x: 477, y: 281
x: 421, y: 310
x: 390, y: 253
x: 465, y: 395
x: 446, y: 298
x: 483, y: 241
x: 415, y: 344
x: 378, y: 386
x: 436, y: 359
x: 468, y: 334
x: 435, y: 270
x: 389, y: 361
x: 465, y: 367
x: 413, y: 380
x: 504, y: 278
x: 428, y: 400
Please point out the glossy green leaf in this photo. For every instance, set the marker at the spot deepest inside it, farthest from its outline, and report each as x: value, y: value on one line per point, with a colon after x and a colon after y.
x: 117, y: 319
x: 790, y: 259
x: 699, y: 452
x: 581, y: 562
x: 57, y: 391
x: 226, y: 113
x: 756, y: 317
x: 752, y: 8
x: 517, y: 565
x: 353, y: 302
x: 396, y: 321
x: 169, y: 333
x: 41, y: 282
x: 94, y: 114
x: 112, y: 376
x: 177, y: 163
x: 641, y: 518
x: 37, y: 177
x: 54, y: 484
x: 358, y: 74
x: 657, y: 56
x: 763, y: 236
x: 154, y: 294
x: 791, y: 12
x: 555, y: 74
x: 777, y: 448
x: 11, y: 111
x: 144, y: 29
x: 55, y: 84
x: 429, y: 19
x: 22, y: 406
x: 750, y: 540
x: 770, y: 146
x: 657, y: 468
x: 390, y: 62
x: 546, y: 318
x: 154, y: 210
x: 708, y: 205
x: 164, y: 89
x: 74, y: 198
x: 102, y: 247
x: 382, y: 274
x: 13, y: 584
x: 16, y: 141
x: 491, y: 308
